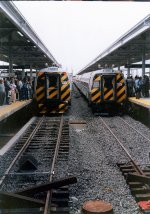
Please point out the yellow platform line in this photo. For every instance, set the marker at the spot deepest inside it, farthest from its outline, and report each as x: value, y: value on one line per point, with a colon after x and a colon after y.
x: 142, y: 101
x: 7, y: 110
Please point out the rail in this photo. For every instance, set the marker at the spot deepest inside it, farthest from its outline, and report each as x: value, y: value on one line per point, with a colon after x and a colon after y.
x: 21, y: 150
x: 135, y: 130
x: 126, y: 151
x: 53, y: 164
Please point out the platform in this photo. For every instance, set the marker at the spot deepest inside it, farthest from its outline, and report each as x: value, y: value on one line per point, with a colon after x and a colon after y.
x: 7, y: 110
x: 144, y: 102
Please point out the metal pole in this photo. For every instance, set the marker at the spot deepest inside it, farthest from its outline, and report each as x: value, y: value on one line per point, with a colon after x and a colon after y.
x: 128, y: 70
x: 30, y: 70
x: 143, y: 63
x: 10, y: 55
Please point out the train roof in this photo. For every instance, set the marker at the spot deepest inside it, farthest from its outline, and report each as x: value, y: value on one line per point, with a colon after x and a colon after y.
x: 52, y: 69
x: 105, y: 70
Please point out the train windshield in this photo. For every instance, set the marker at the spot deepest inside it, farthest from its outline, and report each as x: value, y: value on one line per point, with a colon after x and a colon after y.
x: 52, y: 86
x: 108, y: 82
x: 109, y: 88
x: 53, y: 81
x: 96, y: 84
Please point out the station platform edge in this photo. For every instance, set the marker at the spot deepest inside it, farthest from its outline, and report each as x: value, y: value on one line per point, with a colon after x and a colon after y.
x: 144, y: 102
x: 7, y: 110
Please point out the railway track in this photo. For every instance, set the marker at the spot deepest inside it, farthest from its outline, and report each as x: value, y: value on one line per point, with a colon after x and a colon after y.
x: 137, y: 176
x: 44, y: 146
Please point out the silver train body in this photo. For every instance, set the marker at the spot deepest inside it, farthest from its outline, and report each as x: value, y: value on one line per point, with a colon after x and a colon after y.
x: 104, y: 89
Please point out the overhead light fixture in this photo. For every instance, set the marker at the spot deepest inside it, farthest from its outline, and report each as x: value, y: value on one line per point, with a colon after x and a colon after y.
x: 5, y: 55
x: 34, y: 46
x: 20, y: 33
x: 99, y: 65
x: 44, y: 56
x: 28, y: 41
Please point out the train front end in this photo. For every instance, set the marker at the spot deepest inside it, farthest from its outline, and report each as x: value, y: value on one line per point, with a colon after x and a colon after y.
x: 52, y: 92
x: 108, y: 93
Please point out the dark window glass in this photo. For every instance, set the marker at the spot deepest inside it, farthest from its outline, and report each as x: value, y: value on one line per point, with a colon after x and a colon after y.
x: 52, y: 81
x: 108, y: 82
x: 96, y: 84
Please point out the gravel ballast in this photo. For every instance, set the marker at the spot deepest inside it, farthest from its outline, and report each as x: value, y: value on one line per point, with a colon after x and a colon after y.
x: 94, y: 154
x: 93, y: 158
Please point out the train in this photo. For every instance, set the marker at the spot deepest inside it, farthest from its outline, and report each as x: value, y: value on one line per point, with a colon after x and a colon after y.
x: 105, y: 90
x: 52, y: 91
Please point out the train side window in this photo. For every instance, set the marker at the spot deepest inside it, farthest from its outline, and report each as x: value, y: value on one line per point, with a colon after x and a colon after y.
x: 96, y: 84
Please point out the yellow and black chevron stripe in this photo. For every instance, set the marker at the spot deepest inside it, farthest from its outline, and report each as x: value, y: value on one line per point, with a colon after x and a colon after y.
x: 95, y: 92
x: 97, y: 78
x: 62, y: 94
x: 95, y: 95
x: 65, y: 88
x: 61, y: 108
x: 120, y: 89
x: 108, y: 94
x: 53, y: 93
x: 40, y: 89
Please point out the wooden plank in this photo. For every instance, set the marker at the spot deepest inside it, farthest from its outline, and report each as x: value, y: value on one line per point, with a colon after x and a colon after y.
x: 77, y: 122
x: 142, y: 197
x: 48, y: 186
x: 138, y: 178
x: 11, y: 200
x: 141, y: 190
x: 135, y: 184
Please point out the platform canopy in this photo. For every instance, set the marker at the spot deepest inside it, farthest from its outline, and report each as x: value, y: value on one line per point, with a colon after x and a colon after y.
x: 19, y: 44
x: 132, y: 47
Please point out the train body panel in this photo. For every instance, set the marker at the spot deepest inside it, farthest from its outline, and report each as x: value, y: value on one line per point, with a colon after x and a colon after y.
x: 52, y: 92
x: 105, y: 89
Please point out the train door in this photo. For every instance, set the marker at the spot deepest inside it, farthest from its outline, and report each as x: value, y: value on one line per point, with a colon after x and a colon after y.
x: 108, y: 88
x: 53, y: 86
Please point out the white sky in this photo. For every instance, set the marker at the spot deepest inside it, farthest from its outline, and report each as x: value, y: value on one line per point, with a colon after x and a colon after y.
x: 77, y: 32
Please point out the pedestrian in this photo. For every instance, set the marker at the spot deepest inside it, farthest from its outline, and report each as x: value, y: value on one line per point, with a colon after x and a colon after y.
x: 145, y: 86
x: 2, y: 92
x: 24, y: 90
x: 138, y: 86
x: 19, y: 86
x: 130, y: 86
x: 30, y: 89
x: 13, y: 90
x: 7, y: 90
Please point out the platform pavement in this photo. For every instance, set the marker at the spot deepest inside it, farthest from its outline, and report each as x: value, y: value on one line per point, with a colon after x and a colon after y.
x: 145, y: 102
x: 7, y: 110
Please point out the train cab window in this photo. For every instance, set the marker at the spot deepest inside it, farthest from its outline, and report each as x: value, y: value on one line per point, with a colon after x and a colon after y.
x: 108, y: 82
x: 96, y: 84
x: 52, y: 89
x: 53, y: 81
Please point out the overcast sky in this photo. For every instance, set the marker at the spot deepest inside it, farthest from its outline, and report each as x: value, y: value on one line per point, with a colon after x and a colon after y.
x: 77, y: 32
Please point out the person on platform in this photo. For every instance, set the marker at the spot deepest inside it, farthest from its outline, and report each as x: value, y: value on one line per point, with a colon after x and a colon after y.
x: 130, y: 86
x: 145, y: 86
x: 24, y: 90
x: 19, y: 85
x: 138, y: 86
x: 13, y: 90
x: 7, y: 90
x: 2, y: 92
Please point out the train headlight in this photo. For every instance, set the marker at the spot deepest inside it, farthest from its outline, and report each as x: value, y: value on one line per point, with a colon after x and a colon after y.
x: 64, y: 82
x: 119, y: 84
